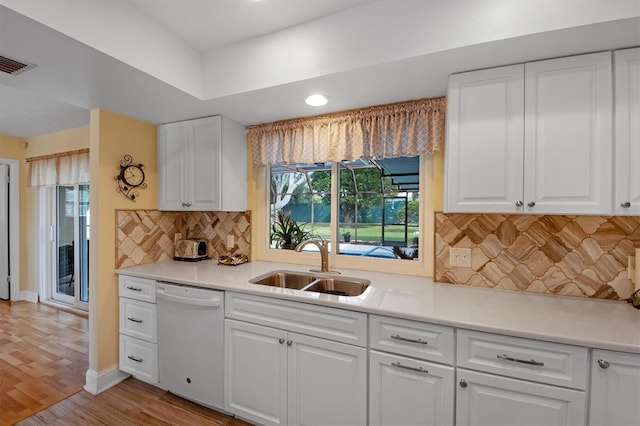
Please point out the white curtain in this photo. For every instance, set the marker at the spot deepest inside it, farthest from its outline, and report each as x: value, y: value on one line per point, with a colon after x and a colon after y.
x: 70, y: 169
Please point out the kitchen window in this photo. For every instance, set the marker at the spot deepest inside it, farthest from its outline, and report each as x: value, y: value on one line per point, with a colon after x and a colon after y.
x: 359, y: 179
x: 366, y: 209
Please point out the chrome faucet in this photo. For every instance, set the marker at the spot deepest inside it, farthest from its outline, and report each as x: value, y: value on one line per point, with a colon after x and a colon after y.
x: 323, y: 245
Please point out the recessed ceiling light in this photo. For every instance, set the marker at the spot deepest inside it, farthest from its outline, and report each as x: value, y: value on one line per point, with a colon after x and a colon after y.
x: 316, y: 100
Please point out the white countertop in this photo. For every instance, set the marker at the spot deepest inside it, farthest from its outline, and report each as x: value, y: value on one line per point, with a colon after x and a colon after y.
x: 599, y: 324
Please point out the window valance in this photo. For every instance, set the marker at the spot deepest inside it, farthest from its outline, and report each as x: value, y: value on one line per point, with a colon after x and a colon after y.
x: 69, y: 168
x: 386, y: 131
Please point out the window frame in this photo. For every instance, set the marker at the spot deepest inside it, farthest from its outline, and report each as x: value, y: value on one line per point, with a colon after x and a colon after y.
x: 261, y: 250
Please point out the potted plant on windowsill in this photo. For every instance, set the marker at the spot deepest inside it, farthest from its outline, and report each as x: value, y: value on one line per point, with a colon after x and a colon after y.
x: 287, y: 233
x: 346, y: 235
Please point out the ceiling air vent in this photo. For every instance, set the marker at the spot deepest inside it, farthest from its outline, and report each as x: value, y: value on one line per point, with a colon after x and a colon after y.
x: 13, y: 66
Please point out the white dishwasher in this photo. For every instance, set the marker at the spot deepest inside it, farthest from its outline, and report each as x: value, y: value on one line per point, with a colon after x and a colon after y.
x: 191, y: 342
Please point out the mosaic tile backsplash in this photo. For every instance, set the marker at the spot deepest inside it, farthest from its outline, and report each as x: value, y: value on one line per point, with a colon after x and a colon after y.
x: 583, y: 256
x: 146, y: 236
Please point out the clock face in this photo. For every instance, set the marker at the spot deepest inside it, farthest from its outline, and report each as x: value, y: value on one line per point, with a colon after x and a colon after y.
x: 133, y: 176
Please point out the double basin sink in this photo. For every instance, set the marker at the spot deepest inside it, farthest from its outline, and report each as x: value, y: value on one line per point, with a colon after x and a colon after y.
x: 315, y: 282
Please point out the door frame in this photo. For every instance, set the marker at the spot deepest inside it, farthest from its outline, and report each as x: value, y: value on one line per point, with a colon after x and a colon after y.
x: 14, y: 229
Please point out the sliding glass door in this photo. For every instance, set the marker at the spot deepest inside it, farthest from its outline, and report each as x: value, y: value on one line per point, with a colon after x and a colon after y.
x: 70, y: 284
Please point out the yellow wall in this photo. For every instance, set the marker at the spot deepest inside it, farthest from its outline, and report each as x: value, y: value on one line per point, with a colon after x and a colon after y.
x: 111, y: 137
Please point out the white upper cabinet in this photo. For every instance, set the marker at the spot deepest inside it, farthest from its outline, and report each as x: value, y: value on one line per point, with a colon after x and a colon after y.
x: 627, y: 131
x: 568, y: 135
x: 533, y: 138
x: 485, y: 140
x: 202, y: 165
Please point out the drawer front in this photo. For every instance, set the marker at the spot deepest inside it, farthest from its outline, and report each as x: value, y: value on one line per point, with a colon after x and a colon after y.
x: 138, y: 319
x: 535, y: 360
x: 328, y: 323
x: 412, y: 338
x: 137, y: 288
x: 139, y: 358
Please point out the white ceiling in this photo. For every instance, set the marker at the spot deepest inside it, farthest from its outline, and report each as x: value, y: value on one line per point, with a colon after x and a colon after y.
x: 255, y: 61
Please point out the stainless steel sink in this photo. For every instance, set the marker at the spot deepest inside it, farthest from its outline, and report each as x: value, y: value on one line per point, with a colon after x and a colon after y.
x: 318, y: 283
x: 284, y: 279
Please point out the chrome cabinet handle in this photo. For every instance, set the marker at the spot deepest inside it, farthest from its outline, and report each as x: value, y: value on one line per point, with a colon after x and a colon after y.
x: 463, y: 383
x: 139, y: 321
x: 522, y: 361
x: 289, y: 342
x: 134, y: 288
x: 531, y: 203
x: 281, y: 340
x: 603, y: 364
x: 625, y: 205
x: 133, y: 358
x: 404, y: 339
x: 406, y: 367
x: 519, y: 203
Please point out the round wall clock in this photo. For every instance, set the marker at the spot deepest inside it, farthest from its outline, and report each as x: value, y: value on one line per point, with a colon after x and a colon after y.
x: 131, y: 178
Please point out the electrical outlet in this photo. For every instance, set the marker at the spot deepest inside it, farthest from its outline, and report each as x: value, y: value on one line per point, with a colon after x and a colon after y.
x: 176, y: 237
x: 460, y: 257
x: 465, y: 257
x: 231, y: 242
x: 631, y: 268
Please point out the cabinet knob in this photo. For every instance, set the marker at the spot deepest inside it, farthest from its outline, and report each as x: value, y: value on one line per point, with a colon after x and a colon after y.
x: 463, y: 383
x: 289, y: 342
x: 531, y: 203
x: 625, y: 205
x: 186, y: 204
x: 603, y: 364
x: 519, y: 203
x: 281, y: 340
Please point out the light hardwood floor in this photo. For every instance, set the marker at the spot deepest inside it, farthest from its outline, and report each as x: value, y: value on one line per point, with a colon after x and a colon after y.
x: 43, y: 360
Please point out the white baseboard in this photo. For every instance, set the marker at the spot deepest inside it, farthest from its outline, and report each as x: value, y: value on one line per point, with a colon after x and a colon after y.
x: 100, y: 382
x: 29, y: 296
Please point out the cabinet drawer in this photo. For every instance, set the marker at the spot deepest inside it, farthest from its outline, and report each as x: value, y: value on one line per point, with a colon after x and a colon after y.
x: 138, y: 319
x: 534, y: 360
x: 137, y: 288
x: 329, y: 323
x: 139, y: 358
x: 412, y: 338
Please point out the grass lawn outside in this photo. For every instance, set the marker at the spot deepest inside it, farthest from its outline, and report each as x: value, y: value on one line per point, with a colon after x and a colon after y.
x: 369, y: 232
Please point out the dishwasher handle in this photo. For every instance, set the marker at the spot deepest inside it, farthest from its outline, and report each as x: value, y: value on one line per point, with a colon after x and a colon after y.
x: 213, y: 302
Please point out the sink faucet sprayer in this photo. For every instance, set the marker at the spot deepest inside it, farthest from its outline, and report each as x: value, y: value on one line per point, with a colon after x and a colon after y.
x: 323, y: 245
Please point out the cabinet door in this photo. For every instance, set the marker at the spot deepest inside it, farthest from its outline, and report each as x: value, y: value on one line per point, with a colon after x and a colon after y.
x: 404, y: 391
x: 568, y: 135
x: 615, y: 389
x: 256, y: 373
x: 174, y: 140
x: 484, y: 151
x: 327, y: 382
x: 206, y: 155
x: 627, y: 131
x: 485, y: 399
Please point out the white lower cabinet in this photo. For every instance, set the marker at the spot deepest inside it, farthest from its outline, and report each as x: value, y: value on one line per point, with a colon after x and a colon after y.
x: 275, y: 376
x: 487, y: 399
x: 404, y: 391
x: 615, y: 389
x: 519, y: 381
x: 138, y: 328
